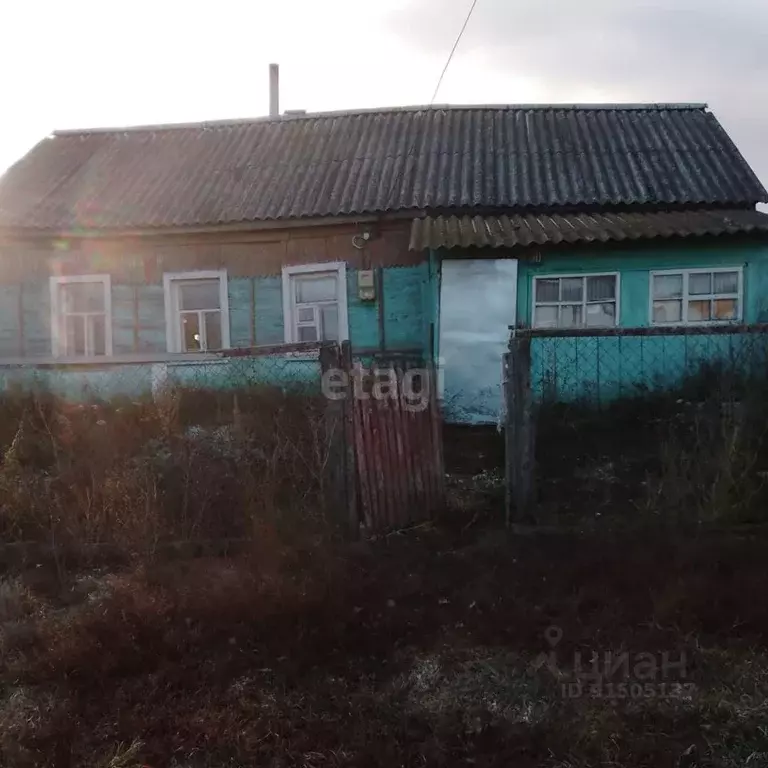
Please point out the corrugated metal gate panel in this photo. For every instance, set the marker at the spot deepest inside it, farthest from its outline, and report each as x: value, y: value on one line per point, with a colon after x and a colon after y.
x: 386, y: 453
x: 398, y: 454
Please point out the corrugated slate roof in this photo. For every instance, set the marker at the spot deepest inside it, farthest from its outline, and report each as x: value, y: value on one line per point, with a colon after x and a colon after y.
x: 425, y: 159
x: 540, y: 229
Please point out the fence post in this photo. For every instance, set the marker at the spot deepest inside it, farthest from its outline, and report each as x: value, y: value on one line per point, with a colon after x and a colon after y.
x: 350, y: 462
x: 437, y: 430
x: 519, y: 429
x: 336, y: 434
x: 510, y: 466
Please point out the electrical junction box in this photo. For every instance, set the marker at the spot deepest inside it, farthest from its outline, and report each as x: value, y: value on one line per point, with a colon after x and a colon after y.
x: 366, y: 285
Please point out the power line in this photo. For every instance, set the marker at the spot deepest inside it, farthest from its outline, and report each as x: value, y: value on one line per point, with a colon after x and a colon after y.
x: 453, y: 50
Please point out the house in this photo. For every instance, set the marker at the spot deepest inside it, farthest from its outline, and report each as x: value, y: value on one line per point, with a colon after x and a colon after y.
x: 132, y: 251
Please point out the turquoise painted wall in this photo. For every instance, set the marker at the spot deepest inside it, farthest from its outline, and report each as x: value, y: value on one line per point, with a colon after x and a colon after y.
x: 31, y: 337
x: 240, y: 291
x: 407, y: 308
x: 363, y: 316
x: 151, y: 315
x: 36, y: 311
x: 634, y: 266
x: 400, y: 317
x: 122, y: 319
x: 606, y: 368
x: 10, y: 321
x: 269, y: 310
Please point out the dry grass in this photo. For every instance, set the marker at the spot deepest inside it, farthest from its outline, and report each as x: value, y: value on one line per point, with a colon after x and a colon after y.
x: 192, y: 465
x: 424, y: 650
x: 696, y: 454
x: 420, y: 649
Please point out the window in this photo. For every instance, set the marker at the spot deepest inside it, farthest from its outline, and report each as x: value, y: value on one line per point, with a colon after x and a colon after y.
x: 315, y: 302
x: 576, y: 301
x: 81, y: 316
x: 196, y: 311
x: 695, y: 296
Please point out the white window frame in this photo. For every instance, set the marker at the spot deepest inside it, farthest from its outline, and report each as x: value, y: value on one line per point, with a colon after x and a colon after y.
x: 171, y: 294
x: 58, y: 341
x: 289, y: 305
x: 584, y: 302
x: 686, y: 273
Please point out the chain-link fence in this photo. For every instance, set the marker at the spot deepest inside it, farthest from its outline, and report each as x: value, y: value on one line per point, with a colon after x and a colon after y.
x: 669, y: 421
x: 294, y: 367
x: 602, y: 366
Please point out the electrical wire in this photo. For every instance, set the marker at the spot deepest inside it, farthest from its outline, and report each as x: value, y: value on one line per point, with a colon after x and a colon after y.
x: 453, y: 50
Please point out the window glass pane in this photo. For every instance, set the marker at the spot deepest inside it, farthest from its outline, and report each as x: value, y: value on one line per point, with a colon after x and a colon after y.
x: 190, y: 332
x: 570, y: 316
x: 74, y: 332
x: 548, y: 290
x: 329, y: 315
x: 700, y: 284
x: 667, y: 311
x: 306, y: 314
x: 98, y: 334
x: 572, y: 288
x: 199, y: 294
x: 600, y: 315
x: 667, y: 286
x: 315, y: 288
x: 306, y: 333
x: 725, y: 309
x: 698, y: 311
x: 600, y: 288
x: 545, y: 317
x: 83, y: 297
x: 212, y: 330
x: 726, y: 282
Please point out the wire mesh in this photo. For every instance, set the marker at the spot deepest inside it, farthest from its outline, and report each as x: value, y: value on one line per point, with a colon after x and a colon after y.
x: 609, y: 366
x: 293, y: 368
x: 669, y: 423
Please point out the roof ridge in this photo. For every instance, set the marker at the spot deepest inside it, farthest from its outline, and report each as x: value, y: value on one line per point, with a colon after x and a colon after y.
x: 227, y: 122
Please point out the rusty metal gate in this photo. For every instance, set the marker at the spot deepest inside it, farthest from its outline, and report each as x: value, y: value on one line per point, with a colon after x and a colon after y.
x: 393, y: 454
x: 398, y: 448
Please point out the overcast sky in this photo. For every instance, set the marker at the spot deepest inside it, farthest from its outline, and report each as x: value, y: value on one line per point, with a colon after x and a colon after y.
x: 80, y: 63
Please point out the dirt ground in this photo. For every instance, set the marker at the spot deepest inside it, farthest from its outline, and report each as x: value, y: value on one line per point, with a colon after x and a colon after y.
x: 453, y: 644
